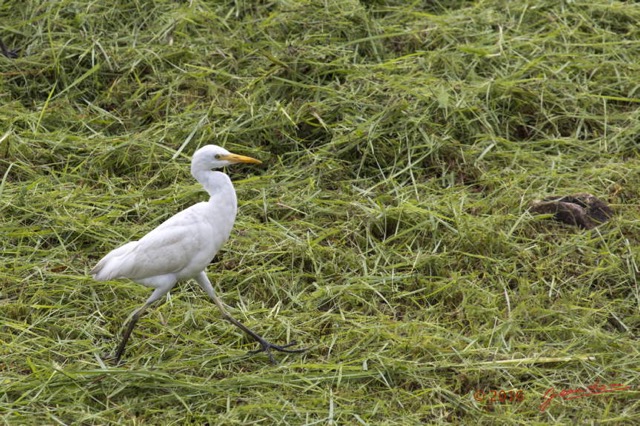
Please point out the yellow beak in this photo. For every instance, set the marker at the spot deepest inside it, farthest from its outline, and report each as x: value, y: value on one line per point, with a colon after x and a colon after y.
x: 234, y: 158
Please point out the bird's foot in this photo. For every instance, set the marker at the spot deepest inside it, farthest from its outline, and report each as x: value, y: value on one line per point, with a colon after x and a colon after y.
x: 111, y: 359
x: 268, y: 346
x: 11, y: 54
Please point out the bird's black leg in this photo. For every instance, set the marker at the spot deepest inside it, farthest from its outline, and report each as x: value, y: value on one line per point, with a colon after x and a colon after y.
x: 267, y: 346
x: 157, y: 294
x: 127, y: 333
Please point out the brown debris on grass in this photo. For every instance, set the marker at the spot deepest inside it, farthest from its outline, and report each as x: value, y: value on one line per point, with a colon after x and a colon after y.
x: 583, y: 210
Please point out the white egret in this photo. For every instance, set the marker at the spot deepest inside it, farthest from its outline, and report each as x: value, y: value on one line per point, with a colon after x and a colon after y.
x: 181, y: 247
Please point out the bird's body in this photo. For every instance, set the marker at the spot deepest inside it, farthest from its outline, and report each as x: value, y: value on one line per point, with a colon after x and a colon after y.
x: 182, y: 246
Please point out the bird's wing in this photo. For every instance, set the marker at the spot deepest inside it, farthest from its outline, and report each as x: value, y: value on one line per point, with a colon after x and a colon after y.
x: 106, y: 268
x: 169, y: 248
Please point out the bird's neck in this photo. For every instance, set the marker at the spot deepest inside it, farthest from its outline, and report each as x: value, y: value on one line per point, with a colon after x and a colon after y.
x: 215, y: 183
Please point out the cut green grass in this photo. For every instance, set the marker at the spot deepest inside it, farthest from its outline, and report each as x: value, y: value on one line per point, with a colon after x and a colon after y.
x: 387, y: 230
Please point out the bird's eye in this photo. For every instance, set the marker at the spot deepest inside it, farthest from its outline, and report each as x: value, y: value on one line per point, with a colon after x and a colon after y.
x: 217, y: 156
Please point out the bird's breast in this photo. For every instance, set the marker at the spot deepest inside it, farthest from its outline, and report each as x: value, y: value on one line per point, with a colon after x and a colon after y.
x: 211, y: 227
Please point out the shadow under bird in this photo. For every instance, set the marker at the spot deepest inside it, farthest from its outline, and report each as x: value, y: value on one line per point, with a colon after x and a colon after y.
x: 181, y: 247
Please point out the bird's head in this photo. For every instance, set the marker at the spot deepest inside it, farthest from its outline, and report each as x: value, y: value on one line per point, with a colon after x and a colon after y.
x: 214, y: 157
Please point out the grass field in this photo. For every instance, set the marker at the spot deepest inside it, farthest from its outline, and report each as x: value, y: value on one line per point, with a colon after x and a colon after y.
x: 388, y: 229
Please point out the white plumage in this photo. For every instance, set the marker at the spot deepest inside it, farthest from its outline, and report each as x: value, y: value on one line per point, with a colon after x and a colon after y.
x: 182, y: 246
